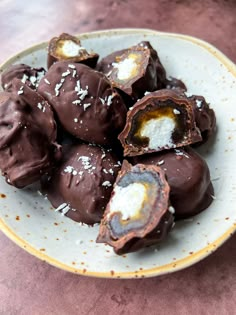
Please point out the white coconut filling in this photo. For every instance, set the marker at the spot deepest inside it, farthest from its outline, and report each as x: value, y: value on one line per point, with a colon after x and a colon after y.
x: 125, y: 68
x: 128, y: 200
x: 70, y: 49
x: 159, y: 131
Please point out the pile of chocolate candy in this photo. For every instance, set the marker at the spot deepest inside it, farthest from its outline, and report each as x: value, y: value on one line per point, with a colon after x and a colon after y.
x: 111, y: 142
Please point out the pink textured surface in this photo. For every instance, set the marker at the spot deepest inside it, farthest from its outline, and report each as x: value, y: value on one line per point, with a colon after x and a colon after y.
x: 31, y: 287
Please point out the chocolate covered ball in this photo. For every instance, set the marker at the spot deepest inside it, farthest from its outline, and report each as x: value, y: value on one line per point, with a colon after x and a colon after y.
x: 139, y: 213
x: 81, y: 185
x: 28, y: 75
x: 134, y: 70
x: 161, y: 120
x: 68, y: 47
x: 84, y: 101
x: 188, y: 175
x: 28, y: 133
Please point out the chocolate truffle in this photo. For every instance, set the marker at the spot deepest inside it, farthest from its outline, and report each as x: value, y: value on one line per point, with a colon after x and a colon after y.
x: 204, y: 116
x: 68, y: 47
x: 188, y: 175
x: 28, y: 75
x: 84, y: 101
x: 138, y: 213
x: 160, y: 120
x: 81, y: 185
x: 135, y: 70
x: 28, y: 133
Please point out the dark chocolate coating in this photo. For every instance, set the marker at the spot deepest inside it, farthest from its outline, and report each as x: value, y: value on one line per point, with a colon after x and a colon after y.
x: 204, y: 116
x: 162, y: 103
x: 151, y: 74
x: 28, y: 133
x: 89, y: 59
x: 83, y: 180
x: 188, y: 175
x: 176, y: 84
x: 31, y: 76
x: 154, y: 220
x: 99, y: 114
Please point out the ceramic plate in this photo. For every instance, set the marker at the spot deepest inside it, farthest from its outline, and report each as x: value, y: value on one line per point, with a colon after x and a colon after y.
x: 29, y: 220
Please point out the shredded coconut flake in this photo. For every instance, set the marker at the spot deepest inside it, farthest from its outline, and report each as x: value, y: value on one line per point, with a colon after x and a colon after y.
x: 63, y: 205
x: 82, y: 93
x: 65, y: 210
x: 109, y: 100
x: 58, y: 86
x: 161, y: 162
x: 199, y: 103
x: 24, y: 78
x: 111, y: 171
x: 102, y: 100
x: 76, y: 102
x: 86, y: 163
x: 74, y: 73
x: 65, y: 74
x: 171, y: 209
x: 46, y: 81
x: 178, y: 152
x: 70, y: 170
x: 107, y: 184
x: 176, y: 111
x: 86, y: 105
x: 33, y: 80
x: 71, y: 66
x: 40, y: 106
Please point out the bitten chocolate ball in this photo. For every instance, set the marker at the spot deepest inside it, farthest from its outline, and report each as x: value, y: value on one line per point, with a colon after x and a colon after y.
x: 134, y: 70
x: 28, y: 75
x: 84, y: 101
x: 28, y: 134
x: 160, y: 120
x: 138, y: 213
x: 69, y: 48
x: 188, y: 175
x: 81, y: 186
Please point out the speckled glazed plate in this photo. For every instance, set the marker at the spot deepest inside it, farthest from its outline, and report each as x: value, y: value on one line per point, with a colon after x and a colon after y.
x: 29, y: 220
